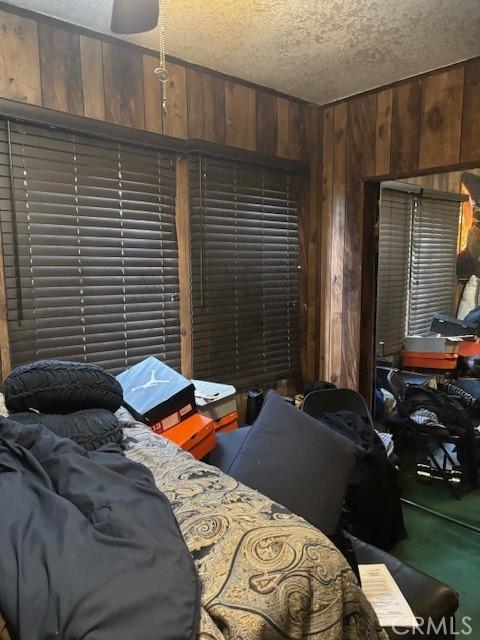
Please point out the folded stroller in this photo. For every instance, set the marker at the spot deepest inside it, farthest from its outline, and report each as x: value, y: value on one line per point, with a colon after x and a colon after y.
x: 436, y: 425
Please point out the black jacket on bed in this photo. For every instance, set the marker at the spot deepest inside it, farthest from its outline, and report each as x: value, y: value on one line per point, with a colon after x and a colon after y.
x: 89, y: 547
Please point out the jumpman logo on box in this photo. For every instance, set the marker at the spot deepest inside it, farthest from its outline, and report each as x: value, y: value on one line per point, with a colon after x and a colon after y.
x: 153, y: 382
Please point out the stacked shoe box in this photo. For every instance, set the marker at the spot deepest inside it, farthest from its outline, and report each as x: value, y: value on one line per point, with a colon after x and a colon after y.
x: 217, y: 412
x: 217, y: 402
x: 431, y: 352
x: 157, y: 395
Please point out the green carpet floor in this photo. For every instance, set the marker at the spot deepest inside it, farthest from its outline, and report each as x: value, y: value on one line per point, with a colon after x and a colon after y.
x: 448, y: 552
x: 437, y: 496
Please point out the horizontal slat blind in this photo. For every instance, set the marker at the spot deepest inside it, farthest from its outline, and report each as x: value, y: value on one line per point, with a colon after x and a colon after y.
x: 244, y: 230
x: 434, y: 256
x: 90, y: 249
x: 393, y: 269
x: 416, y: 263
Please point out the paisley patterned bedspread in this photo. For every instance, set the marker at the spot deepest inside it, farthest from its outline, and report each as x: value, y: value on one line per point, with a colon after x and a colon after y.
x: 266, y: 574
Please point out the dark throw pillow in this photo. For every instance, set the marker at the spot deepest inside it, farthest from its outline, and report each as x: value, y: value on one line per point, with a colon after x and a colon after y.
x: 59, y: 386
x: 297, y: 461
x: 90, y: 428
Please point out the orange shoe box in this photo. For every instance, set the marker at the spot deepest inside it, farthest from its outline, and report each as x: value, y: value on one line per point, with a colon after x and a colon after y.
x: 227, y: 423
x: 195, y: 434
x: 467, y: 348
x: 429, y: 360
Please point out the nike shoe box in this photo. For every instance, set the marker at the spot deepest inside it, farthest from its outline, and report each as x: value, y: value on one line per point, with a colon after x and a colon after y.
x: 227, y: 423
x: 215, y: 400
x: 156, y: 394
x: 432, y: 344
x: 429, y: 360
x: 196, y: 434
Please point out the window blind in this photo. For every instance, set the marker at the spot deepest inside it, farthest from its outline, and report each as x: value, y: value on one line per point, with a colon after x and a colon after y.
x: 395, y: 226
x: 90, y: 252
x: 244, y: 234
x: 418, y: 232
x: 433, y: 260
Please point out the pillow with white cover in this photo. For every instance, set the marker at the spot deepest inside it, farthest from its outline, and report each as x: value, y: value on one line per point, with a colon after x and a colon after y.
x: 469, y: 299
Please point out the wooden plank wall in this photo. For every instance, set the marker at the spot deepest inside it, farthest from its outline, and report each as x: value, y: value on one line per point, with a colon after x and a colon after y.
x: 427, y: 124
x: 51, y: 64
x: 451, y: 181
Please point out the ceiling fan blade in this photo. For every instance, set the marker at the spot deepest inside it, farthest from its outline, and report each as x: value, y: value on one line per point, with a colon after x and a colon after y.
x: 134, y: 16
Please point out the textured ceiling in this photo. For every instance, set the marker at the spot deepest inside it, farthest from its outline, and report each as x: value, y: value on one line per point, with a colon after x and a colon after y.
x: 318, y: 50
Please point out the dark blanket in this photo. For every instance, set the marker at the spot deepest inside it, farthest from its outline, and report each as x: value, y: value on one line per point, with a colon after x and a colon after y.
x: 89, y: 548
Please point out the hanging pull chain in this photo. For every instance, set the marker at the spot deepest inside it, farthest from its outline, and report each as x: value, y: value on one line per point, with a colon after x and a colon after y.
x: 161, y: 71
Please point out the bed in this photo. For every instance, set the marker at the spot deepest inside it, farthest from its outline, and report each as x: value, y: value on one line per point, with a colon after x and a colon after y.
x: 265, y: 573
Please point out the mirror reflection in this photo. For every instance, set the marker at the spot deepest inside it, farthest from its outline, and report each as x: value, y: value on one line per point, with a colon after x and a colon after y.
x: 427, y: 395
